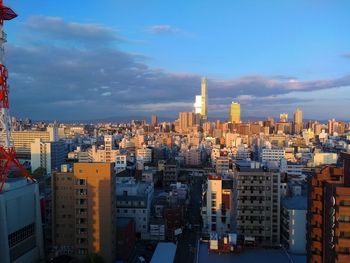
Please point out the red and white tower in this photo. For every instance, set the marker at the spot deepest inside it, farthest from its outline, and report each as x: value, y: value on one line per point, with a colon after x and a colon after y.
x: 8, y: 158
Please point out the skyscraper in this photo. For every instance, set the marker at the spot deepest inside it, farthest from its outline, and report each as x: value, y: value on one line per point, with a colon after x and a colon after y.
x: 198, y: 105
x: 204, y: 94
x: 235, y: 112
x: 298, y: 120
x: 154, y: 120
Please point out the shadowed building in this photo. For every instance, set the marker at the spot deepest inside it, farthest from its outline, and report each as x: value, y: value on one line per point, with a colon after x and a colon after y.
x: 84, y: 210
x: 329, y: 214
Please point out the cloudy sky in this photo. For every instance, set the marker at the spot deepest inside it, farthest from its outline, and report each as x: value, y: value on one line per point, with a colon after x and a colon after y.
x: 83, y: 60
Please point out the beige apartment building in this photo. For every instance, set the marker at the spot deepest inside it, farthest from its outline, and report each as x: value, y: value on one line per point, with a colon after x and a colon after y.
x: 84, y: 210
x: 258, y: 203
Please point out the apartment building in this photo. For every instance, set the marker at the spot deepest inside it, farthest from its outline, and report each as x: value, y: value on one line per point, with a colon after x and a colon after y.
x: 222, y: 165
x: 170, y: 173
x: 293, y: 224
x: 192, y: 157
x: 134, y: 201
x: 49, y: 155
x: 145, y: 154
x: 106, y: 153
x: 329, y: 214
x: 272, y: 155
x: 217, y: 209
x: 84, y: 210
x: 258, y: 202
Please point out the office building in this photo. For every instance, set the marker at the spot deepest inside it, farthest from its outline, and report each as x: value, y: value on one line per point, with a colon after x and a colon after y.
x: 84, y: 210
x: 154, y: 120
x: 329, y: 214
x: 198, y: 105
x: 204, y: 97
x: 187, y: 120
x: 298, y: 121
x: 258, y: 204
x: 235, y: 112
x: 22, y: 140
x: 217, y: 209
x: 21, y: 232
x: 48, y: 155
x: 272, y: 155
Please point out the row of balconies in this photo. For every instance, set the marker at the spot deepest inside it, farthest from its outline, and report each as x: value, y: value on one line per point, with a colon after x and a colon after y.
x: 253, y: 203
x: 252, y: 193
x: 250, y: 212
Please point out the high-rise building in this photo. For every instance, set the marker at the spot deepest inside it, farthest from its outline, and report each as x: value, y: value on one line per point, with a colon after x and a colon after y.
x: 21, y: 236
x: 258, y: 203
x: 329, y: 214
x: 154, y: 120
x: 235, y: 112
x: 84, y: 210
x: 198, y: 105
x: 204, y: 97
x: 298, y: 116
x: 298, y: 121
x: 188, y: 120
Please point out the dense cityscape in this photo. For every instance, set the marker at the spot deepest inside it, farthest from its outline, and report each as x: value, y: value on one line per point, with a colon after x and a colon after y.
x: 192, y: 189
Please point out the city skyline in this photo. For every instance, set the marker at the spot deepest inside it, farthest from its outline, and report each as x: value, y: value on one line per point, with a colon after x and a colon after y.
x: 152, y: 63
x: 121, y: 160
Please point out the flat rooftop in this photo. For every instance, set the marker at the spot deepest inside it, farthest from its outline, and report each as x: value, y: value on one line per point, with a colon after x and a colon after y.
x: 257, y: 255
x: 164, y: 253
x: 295, y: 202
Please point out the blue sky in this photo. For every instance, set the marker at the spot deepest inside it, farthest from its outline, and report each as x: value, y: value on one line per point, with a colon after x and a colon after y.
x: 272, y: 55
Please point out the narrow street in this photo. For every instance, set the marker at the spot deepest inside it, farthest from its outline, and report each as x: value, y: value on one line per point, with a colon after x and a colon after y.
x: 186, y: 248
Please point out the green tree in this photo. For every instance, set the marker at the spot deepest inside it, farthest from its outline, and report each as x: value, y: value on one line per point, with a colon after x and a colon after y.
x: 39, y: 172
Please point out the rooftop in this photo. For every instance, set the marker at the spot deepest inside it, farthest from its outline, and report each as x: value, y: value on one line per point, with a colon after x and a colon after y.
x: 295, y: 202
x: 164, y: 253
x: 258, y: 255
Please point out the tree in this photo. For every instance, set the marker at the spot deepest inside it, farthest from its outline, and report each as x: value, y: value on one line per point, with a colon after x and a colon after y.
x: 39, y: 172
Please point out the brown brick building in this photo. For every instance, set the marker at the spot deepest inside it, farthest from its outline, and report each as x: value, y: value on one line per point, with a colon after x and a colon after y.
x: 329, y: 214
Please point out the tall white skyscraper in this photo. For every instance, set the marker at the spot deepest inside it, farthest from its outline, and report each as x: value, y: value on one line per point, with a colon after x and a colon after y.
x: 204, y: 94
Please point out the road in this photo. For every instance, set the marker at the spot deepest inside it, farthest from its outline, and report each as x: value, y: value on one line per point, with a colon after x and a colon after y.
x: 186, y: 247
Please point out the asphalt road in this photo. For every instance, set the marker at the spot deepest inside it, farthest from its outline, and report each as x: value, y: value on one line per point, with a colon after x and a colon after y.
x: 186, y: 247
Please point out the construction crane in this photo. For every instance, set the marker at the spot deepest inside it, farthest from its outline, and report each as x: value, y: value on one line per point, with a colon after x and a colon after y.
x: 8, y: 159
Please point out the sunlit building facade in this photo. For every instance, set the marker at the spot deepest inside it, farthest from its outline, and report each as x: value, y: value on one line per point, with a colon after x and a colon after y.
x: 235, y: 112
